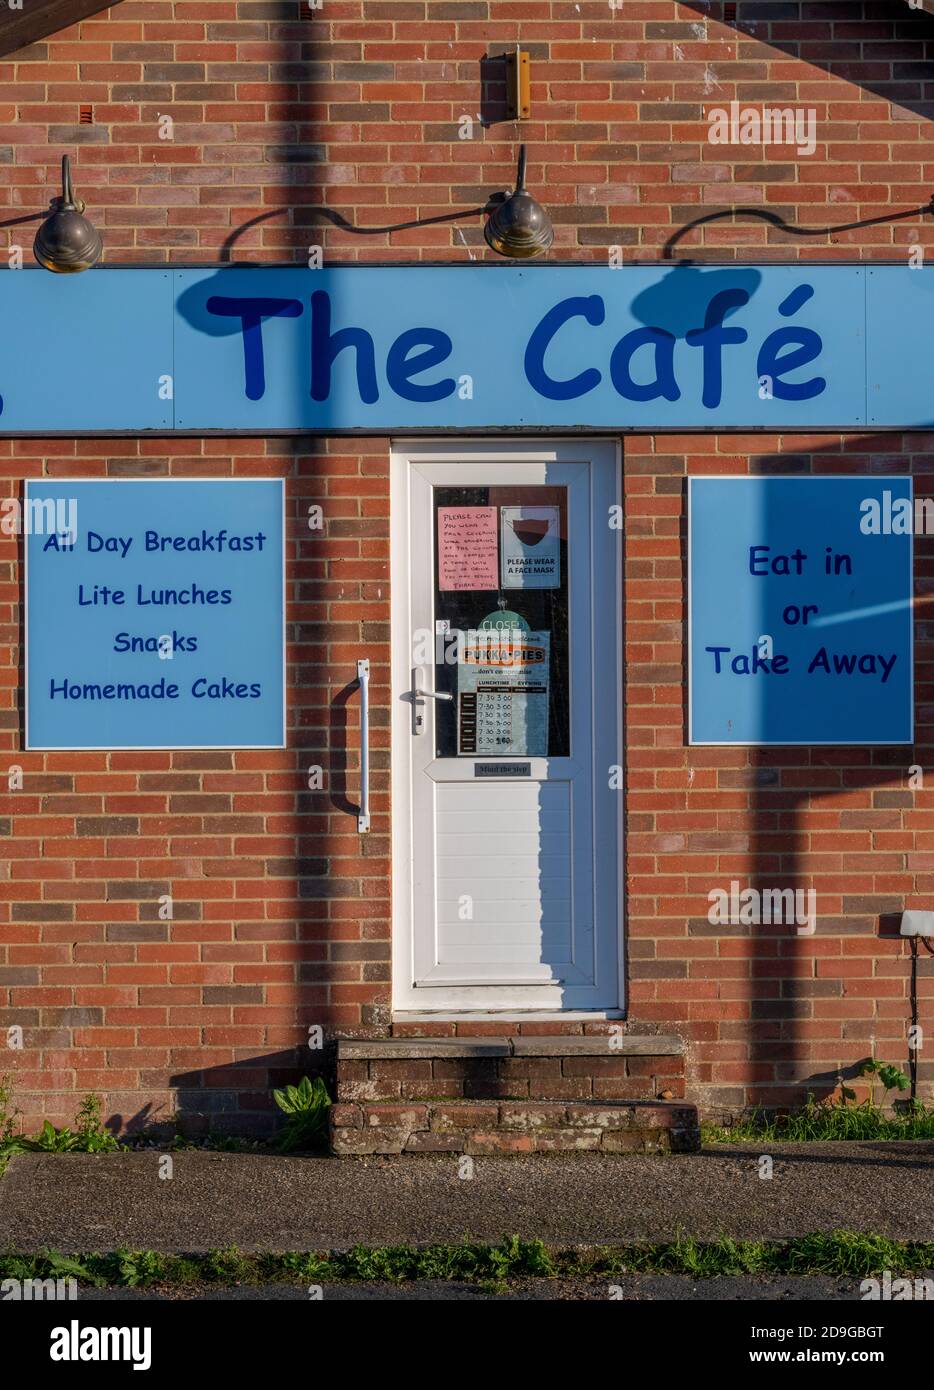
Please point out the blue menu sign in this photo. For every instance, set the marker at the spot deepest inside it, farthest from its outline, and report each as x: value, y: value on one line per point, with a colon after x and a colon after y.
x: 800, y: 610
x: 154, y: 614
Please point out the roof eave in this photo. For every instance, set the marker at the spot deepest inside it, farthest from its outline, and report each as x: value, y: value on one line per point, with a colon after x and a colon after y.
x: 39, y: 18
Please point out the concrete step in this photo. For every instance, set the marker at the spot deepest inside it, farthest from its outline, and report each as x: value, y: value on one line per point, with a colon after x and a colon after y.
x: 515, y: 1045
x: 621, y: 1067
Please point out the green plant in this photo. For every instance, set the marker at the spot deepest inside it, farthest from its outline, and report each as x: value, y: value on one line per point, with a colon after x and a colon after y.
x: 92, y: 1137
x: 838, y: 1117
x: 845, y: 1253
x: 215, y: 1142
x: 9, y: 1140
x: 8, y: 1112
x: 891, y: 1077
x: 58, y: 1266
x: 515, y: 1256
x: 306, y: 1107
x: 139, y: 1268
x: 51, y: 1140
x: 849, y: 1254
x: 294, y: 1266
x: 89, y: 1136
x: 227, y: 1266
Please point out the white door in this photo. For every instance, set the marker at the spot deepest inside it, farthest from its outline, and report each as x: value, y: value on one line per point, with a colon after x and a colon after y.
x: 506, y: 730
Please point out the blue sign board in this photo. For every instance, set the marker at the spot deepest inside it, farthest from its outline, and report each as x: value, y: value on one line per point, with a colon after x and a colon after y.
x: 154, y: 614
x: 112, y: 336
x: 469, y: 347
x: 800, y: 593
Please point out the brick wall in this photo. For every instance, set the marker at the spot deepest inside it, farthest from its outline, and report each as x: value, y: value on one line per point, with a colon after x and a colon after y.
x: 356, y: 110
x: 283, y: 130
x: 280, y: 909
x: 767, y: 1013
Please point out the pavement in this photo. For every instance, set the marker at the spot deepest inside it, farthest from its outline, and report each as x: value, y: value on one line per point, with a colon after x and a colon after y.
x: 100, y: 1202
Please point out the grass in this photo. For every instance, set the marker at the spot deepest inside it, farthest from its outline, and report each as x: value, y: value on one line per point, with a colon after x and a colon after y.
x: 837, y: 1117
x: 837, y: 1253
x: 827, y: 1120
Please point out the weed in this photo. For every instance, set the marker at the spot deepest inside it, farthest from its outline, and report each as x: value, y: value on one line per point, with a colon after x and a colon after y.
x: 844, y: 1253
x: 389, y: 1264
x: 847, y: 1254
x: 837, y: 1118
x: 891, y: 1077
x: 52, y: 1264
x: 226, y: 1266
x: 88, y: 1136
x: 295, y: 1265
x: 213, y: 1143
x: 91, y: 1137
x: 306, y: 1107
x: 515, y: 1256
x: 139, y: 1268
x: 182, y: 1269
x: 8, y: 1112
x: 8, y: 1115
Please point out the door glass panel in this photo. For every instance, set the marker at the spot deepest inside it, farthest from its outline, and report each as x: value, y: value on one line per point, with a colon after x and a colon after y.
x: 501, y: 622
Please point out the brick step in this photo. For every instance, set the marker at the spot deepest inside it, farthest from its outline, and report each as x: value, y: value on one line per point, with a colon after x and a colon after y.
x: 514, y: 1127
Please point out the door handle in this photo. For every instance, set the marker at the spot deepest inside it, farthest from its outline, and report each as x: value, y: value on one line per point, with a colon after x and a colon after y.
x: 415, y: 695
x: 363, y: 679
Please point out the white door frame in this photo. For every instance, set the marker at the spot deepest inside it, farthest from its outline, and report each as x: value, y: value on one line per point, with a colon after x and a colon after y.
x: 407, y: 1001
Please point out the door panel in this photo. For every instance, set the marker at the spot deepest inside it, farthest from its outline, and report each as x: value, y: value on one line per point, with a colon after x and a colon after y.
x: 518, y: 892
x: 506, y: 726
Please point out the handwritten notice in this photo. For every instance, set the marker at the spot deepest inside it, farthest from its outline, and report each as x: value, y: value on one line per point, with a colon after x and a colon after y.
x: 467, y: 549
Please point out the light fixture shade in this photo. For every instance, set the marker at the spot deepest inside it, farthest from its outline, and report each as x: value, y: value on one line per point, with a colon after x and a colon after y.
x: 917, y: 923
x: 66, y: 241
x: 519, y: 227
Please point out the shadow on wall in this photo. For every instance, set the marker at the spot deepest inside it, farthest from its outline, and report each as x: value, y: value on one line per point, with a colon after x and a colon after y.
x: 232, y: 1099
x: 862, y: 62
x: 841, y: 993
x: 235, y: 1097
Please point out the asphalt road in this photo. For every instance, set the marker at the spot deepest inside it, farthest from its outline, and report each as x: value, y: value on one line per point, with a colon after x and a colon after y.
x: 83, y: 1202
x: 633, y: 1288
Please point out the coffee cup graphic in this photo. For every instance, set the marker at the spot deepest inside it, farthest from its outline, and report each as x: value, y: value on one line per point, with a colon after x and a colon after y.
x: 530, y: 530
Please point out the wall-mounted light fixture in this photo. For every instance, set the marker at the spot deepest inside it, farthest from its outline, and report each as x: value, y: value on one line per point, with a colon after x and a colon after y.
x: 916, y: 923
x: 67, y: 241
x: 518, y: 226
x: 918, y: 926
x: 518, y: 85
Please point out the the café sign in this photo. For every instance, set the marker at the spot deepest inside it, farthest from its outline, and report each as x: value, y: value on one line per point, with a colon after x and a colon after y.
x: 467, y: 348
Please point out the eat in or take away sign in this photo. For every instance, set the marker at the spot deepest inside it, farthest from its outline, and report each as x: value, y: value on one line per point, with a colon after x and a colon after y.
x: 800, y: 593
x: 154, y: 614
